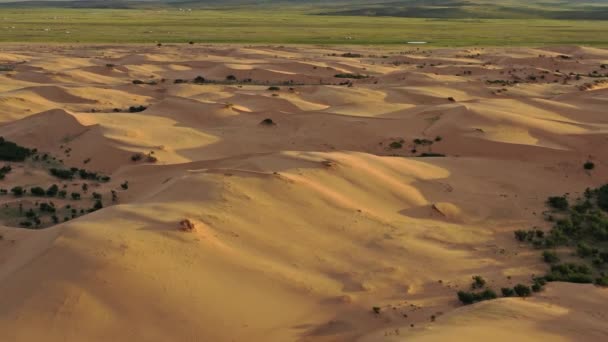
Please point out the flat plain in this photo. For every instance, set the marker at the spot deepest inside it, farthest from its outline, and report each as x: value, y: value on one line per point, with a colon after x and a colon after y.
x: 286, y: 26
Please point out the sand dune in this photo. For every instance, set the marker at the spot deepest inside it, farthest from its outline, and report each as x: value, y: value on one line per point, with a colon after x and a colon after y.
x: 287, y: 213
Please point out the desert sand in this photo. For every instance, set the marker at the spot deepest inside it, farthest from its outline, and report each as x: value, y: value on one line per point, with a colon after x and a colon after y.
x: 301, y: 226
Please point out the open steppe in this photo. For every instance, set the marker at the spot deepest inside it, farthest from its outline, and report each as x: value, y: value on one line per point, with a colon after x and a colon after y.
x: 313, y: 198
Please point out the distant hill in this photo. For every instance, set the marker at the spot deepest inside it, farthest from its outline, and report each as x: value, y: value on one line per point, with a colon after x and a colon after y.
x: 447, y: 9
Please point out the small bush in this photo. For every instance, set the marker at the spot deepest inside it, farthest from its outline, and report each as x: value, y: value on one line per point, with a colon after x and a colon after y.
x: 37, y: 191
x: 274, y: 88
x: 550, y: 257
x: 558, y: 202
x: 473, y: 297
x: 137, y: 109
x: 267, y: 122
x: 431, y: 155
x: 75, y: 196
x: 396, y: 145
x: 478, y: 282
x: 52, y: 190
x: 522, y: 290
x: 423, y: 142
x: 18, y: 191
x: 589, y: 165
x: 231, y: 78
x: 63, y: 173
x: 507, y: 292
x: 98, y: 205
x: 199, y: 80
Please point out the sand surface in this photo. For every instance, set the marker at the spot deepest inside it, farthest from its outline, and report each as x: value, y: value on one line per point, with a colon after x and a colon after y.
x: 303, y: 226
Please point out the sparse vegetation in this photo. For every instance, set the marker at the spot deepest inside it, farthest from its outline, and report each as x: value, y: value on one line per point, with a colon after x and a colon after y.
x: 582, y: 226
x: 353, y: 76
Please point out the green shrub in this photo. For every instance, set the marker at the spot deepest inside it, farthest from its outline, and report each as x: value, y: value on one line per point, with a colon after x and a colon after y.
x: 589, y: 165
x: 395, y: 145
x: 37, y: 191
x: 63, y: 173
x: 18, y: 191
x: 349, y: 75
x: 558, y: 202
x: 602, y: 197
x: 75, y: 196
x: 550, y: 257
x: 570, y: 272
x: 10, y: 151
x: 423, y: 142
x: 431, y: 154
x: 522, y: 290
x: 52, y: 190
x: 478, y: 282
x: 473, y: 297
x: 274, y: 88
x: 583, y: 250
x: 521, y: 235
x: 137, y: 109
x: 507, y: 292
x: 267, y: 122
x: 5, y: 170
x: 98, y: 205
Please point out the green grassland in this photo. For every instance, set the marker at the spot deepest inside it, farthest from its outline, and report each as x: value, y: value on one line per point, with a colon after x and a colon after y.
x: 261, y: 25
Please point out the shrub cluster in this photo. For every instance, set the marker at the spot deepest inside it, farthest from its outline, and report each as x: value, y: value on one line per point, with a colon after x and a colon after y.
x: 474, y: 297
x: 581, y: 226
x: 69, y: 174
x: 353, y: 76
x: 10, y: 151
